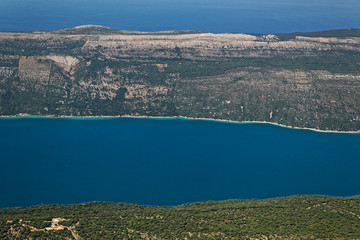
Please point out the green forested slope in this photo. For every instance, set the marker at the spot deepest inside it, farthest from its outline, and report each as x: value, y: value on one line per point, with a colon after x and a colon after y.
x: 295, y: 217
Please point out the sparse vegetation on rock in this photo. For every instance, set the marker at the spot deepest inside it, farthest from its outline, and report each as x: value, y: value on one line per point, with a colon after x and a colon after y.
x: 302, y: 79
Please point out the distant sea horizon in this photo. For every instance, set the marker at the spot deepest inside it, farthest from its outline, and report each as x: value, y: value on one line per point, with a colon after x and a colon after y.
x: 245, y: 16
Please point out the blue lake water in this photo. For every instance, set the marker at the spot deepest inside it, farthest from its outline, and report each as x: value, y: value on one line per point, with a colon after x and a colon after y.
x: 250, y: 16
x: 169, y: 162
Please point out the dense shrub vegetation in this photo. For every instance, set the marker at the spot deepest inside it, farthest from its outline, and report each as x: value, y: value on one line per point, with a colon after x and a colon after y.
x: 297, y: 217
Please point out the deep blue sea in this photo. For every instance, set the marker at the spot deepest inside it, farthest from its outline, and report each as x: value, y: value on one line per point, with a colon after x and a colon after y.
x: 169, y: 162
x: 249, y: 16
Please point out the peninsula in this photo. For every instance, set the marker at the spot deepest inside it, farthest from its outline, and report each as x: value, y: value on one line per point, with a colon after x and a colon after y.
x: 306, y: 80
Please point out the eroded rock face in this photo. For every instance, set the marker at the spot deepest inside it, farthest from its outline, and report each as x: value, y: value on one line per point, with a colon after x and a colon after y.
x: 66, y: 62
x: 89, y: 71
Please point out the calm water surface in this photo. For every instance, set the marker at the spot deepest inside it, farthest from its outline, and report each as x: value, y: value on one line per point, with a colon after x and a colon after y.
x: 250, y: 16
x: 169, y: 162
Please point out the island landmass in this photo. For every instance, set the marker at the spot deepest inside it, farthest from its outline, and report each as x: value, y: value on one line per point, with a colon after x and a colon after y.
x: 302, y: 80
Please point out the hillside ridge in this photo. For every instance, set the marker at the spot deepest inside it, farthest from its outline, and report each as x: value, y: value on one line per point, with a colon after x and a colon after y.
x: 294, y: 217
x: 308, y: 81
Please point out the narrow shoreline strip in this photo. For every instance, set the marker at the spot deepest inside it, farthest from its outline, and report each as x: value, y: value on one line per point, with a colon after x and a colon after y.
x: 177, y: 117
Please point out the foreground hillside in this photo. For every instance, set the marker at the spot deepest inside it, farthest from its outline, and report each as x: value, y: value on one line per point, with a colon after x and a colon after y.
x: 300, y: 79
x: 295, y: 217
